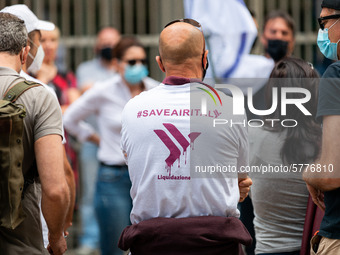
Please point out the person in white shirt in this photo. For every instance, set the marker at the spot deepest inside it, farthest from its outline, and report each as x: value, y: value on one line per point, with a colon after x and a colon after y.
x: 106, y: 100
x: 169, y: 143
x: 100, y: 68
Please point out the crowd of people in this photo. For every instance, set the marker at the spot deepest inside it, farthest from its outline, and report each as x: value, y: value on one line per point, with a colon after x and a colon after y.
x: 142, y: 141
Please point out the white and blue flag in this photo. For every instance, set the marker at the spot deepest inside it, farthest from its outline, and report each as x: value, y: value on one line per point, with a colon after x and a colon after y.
x: 230, y: 32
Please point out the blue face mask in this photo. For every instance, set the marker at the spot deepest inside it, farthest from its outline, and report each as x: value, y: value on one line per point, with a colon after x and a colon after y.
x: 328, y: 49
x: 135, y: 74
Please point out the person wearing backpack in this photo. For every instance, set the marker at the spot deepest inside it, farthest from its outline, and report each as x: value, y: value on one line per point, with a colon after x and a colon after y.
x: 34, y: 28
x: 42, y: 158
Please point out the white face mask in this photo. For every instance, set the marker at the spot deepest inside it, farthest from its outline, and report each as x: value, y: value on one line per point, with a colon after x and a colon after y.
x: 37, y: 61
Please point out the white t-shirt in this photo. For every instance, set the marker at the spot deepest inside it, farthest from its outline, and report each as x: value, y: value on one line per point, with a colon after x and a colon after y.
x: 167, y: 143
x: 106, y: 100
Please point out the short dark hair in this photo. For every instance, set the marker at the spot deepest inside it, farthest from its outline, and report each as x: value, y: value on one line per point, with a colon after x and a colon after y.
x: 281, y: 14
x: 124, y: 44
x: 13, y: 34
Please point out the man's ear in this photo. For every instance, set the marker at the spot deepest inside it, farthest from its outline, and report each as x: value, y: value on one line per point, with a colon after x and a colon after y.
x: 205, y: 59
x: 291, y: 46
x: 160, y: 63
x: 24, y: 54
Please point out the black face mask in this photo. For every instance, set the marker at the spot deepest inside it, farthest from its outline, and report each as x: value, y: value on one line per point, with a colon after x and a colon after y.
x: 204, y: 69
x: 106, y: 53
x: 277, y: 49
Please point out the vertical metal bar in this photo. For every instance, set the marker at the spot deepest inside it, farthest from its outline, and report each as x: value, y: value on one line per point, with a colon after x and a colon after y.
x: 104, y: 12
x: 283, y: 5
x: 65, y: 21
x: 257, y: 6
x: 296, y: 13
x: 65, y: 27
x: 78, y: 28
x: 155, y: 24
x: 90, y: 17
x: 271, y: 5
x: 38, y: 8
x: 53, y: 11
x: 141, y: 16
x: 116, y: 18
x: 91, y: 28
x: 308, y: 19
x: 177, y: 8
x: 128, y: 17
x: 166, y: 15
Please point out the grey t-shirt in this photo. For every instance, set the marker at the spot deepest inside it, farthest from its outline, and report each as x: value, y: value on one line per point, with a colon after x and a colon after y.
x: 279, y: 199
x: 43, y: 117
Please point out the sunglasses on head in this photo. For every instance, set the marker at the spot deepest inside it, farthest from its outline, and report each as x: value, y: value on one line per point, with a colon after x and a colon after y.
x: 189, y: 21
x: 320, y: 20
x: 132, y: 62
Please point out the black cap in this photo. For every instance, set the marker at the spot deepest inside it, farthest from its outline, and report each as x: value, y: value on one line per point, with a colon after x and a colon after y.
x: 332, y: 4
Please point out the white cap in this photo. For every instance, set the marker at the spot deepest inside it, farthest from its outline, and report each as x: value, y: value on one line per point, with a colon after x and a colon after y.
x: 31, y: 21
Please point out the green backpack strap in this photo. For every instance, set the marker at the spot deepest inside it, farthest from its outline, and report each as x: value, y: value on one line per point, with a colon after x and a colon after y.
x: 15, y: 91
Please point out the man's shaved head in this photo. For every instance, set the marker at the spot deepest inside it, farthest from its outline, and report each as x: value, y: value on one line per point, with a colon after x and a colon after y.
x: 181, y: 42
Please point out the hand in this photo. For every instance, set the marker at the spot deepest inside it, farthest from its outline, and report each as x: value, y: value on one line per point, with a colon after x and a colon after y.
x: 94, y: 138
x: 244, y: 187
x: 57, y: 244
x: 317, y: 196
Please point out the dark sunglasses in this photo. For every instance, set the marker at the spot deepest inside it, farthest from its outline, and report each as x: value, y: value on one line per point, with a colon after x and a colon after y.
x: 189, y: 21
x: 320, y: 20
x: 132, y: 62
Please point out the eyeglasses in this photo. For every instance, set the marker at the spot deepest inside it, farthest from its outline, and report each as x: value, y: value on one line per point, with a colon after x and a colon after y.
x: 195, y: 24
x: 132, y: 62
x: 320, y: 20
x: 189, y: 21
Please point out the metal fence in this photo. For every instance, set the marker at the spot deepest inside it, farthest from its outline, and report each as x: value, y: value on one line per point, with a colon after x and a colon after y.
x: 79, y: 20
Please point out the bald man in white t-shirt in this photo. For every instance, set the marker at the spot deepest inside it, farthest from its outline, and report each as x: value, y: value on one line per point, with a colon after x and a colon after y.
x: 174, y: 153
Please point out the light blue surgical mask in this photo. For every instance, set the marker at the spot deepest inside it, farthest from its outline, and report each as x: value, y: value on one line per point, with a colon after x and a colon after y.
x: 328, y: 49
x: 135, y: 74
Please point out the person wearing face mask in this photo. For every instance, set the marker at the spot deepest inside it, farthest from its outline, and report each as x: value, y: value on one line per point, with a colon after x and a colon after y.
x: 101, y: 68
x: 278, y: 39
x: 63, y: 82
x: 42, y: 136
x: 164, y: 138
x: 278, y: 36
x: 106, y: 100
x: 35, y: 58
x: 324, y: 187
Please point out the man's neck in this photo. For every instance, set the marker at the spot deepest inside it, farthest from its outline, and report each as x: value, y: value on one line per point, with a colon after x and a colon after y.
x: 108, y: 64
x: 9, y: 61
x: 186, y: 70
x: 183, y: 73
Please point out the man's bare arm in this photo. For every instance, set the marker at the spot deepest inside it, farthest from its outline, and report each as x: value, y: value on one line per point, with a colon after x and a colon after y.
x: 326, y: 180
x: 55, y: 192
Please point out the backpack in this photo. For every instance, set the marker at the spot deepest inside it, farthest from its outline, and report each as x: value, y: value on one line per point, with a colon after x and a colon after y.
x: 11, y: 156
